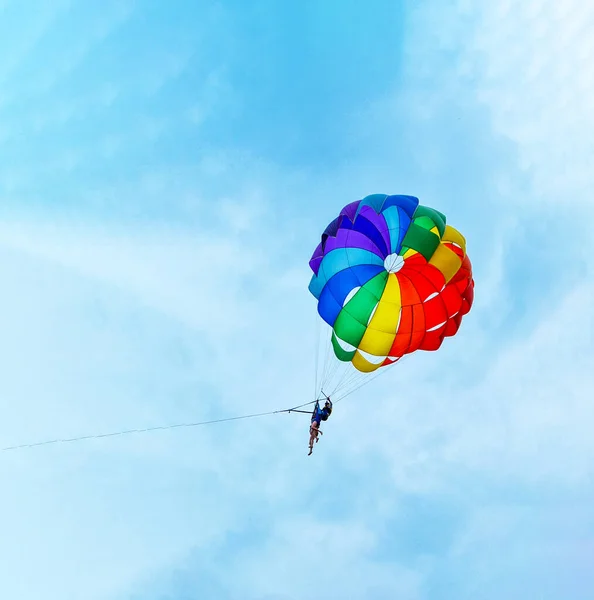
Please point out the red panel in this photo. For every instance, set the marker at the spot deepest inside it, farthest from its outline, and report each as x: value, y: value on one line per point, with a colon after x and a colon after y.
x: 425, y: 287
x: 433, y: 339
x: 403, y: 337
x: 452, y: 300
x: 435, y: 312
x: 419, y: 328
x: 452, y: 326
x: 408, y: 294
x: 430, y: 272
x: 418, y: 280
x: 417, y: 261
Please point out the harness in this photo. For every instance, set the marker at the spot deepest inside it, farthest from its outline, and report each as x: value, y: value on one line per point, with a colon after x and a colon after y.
x: 321, y: 414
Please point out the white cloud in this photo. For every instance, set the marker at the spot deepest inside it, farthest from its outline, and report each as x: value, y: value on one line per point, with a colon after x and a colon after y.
x: 191, y: 276
x: 528, y: 420
x: 340, y: 564
x: 532, y: 63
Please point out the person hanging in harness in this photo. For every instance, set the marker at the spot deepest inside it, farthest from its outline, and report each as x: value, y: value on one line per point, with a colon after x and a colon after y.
x: 318, y: 415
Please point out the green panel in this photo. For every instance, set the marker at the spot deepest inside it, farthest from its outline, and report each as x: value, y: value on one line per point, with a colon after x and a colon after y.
x: 439, y: 219
x: 348, y: 328
x: 340, y: 352
x: 351, y: 323
x: 372, y: 290
x: 425, y: 223
x: 421, y: 240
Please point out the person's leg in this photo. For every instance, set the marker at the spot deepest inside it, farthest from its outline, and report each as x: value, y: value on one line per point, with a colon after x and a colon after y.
x: 313, y: 434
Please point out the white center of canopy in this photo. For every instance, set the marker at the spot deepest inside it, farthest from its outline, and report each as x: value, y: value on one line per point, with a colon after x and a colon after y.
x: 393, y: 263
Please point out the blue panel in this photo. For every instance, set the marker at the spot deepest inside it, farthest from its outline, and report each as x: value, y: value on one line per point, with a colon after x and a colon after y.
x: 340, y: 259
x: 407, y: 203
x: 398, y: 223
x: 367, y: 228
x: 376, y: 202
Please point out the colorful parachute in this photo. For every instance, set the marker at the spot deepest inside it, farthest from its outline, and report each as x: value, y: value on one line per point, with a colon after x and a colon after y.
x: 390, y: 278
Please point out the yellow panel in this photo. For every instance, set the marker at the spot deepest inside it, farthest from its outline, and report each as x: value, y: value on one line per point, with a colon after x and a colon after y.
x: 409, y: 252
x: 446, y: 260
x: 381, y: 331
x: 362, y: 364
x: 386, y: 316
x: 376, y: 342
x: 453, y: 235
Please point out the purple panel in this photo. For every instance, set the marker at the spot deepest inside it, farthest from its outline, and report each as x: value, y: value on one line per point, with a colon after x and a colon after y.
x: 378, y: 222
x: 350, y: 210
x: 316, y: 258
x: 347, y: 238
x: 364, y: 226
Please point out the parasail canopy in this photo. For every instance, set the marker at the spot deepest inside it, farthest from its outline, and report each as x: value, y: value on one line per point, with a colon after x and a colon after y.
x: 390, y: 277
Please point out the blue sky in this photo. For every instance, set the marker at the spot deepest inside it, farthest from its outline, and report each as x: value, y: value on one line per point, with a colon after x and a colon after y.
x: 165, y: 172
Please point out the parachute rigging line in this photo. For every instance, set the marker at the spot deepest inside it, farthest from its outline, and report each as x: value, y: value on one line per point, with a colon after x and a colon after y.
x: 155, y: 428
x: 123, y: 432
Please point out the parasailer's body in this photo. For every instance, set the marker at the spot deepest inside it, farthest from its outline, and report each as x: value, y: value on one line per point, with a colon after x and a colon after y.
x: 318, y: 415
